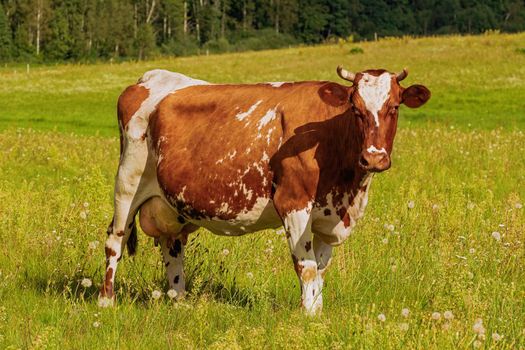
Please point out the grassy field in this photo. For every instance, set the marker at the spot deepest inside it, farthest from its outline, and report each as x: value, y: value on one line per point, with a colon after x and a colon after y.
x: 459, y: 251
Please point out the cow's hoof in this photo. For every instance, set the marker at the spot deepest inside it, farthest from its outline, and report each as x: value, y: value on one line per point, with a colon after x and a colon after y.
x: 104, y: 301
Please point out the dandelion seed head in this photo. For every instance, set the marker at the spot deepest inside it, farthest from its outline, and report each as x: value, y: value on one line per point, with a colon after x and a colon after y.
x: 478, y: 327
x: 86, y: 283
x: 411, y: 204
x: 472, y: 250
x: 249, y: 275
x: 83, y: 215
x: 436, y: 316
x: 86, y: 204
x: 156, y: 294
x: 496, y: 235
x: 435, y: 207
x: 384, y: 241
x: 448, y: 315
x: 477, y: 344
x: 225, y: 252
x: 381, y: 317
x: 404, y: 326
x: 172, y: 293
x: 405, y: 312
x: 496, y: 337
x: 518, y: 205
x: 93, y: 245
x: 96, y: 324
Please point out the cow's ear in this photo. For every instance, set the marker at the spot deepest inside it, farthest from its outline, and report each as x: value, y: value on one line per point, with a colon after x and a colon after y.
x: 415, y: 96
x: 334, y: 94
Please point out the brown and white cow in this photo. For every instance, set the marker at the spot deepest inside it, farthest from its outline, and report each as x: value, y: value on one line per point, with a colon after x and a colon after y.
x: 236, y: 159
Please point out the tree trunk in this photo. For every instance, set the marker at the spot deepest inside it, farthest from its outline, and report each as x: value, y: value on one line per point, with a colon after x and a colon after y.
x: 38, y: 17
x: 185, y: 25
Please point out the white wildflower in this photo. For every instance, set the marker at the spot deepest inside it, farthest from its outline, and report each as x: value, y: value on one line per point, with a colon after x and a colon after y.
x: 435, y: 207
x: 472, y: 250
x: 405, y: 312
x: 96, y: 324
x: 518, y: 205
x: 404, y: 326
x: 156, y: 294
x: 478, y: 327
x: 448, y: 315
x: 436, y: 316
x: 496, y: 336
x: 93, y: 245
x: 83, y: 215
x: 477, y: 344
x: 249, y: 275
x: 172, y: 293
x: 381, y: 317
x: 86, y: 283
x: 86, y: 204
x: 225, y: 252
x: 411, y: 204
x: 496, y: 235
x: 384, y: 241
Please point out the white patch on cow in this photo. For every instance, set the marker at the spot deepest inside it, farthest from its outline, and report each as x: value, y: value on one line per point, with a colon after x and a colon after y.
x: 224, y: 208
x: 373, y: 149
x: 267, y: 118
x: 231, y: 155
x: 241, y: 116
x: 248, y: 150
x: 160, y: 83
x: 331, y: 227
x: 374, y: 91
x: 276, y: 84
x: 265, y: 157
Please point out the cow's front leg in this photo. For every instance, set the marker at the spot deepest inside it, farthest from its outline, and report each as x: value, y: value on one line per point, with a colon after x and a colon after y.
x: 173, y: 254
x: 300, y: 240
x: 323, y: 256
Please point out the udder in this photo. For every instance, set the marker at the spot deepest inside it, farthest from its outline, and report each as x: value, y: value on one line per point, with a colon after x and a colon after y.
x: 157, y: 218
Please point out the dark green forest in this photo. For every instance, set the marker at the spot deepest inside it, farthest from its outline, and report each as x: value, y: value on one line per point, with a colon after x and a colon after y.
x: 87, y: 30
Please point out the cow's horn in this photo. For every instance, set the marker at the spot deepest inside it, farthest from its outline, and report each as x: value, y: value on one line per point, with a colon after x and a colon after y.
x: 344, y: 74
x: 402, y: 75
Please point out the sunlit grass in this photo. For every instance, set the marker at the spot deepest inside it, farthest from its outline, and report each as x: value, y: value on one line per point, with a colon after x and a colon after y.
x: 437, y: 254
x: 476, y: 81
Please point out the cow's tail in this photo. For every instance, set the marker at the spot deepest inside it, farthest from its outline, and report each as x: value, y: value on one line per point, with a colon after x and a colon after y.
x: 132, y: 242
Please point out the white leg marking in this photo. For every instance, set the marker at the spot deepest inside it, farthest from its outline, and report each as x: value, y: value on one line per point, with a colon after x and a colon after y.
x: 300, y: 240
x: 173, y: 254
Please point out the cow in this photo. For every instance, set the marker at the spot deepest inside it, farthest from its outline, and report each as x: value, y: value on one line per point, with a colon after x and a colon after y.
x: 238, y: 158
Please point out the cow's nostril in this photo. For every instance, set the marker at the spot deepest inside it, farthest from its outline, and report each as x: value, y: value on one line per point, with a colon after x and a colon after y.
x: 363, y: 162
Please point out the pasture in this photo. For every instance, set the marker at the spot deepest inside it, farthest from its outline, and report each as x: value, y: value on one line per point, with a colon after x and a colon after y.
x: 443, y: 232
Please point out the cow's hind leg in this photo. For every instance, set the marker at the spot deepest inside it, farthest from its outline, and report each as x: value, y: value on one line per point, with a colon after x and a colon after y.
x: 134, y: 183
x: 173, y: 254
x: 300, y: 240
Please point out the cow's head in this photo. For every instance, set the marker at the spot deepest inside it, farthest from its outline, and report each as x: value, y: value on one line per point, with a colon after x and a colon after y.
x: 375, y: 99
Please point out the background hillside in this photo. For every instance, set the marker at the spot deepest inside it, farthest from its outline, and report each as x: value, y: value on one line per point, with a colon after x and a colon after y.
x: 73, y: 30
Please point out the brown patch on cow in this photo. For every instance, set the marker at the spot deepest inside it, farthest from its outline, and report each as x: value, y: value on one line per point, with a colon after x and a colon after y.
x: 308, y: 274
x: 297, y: 266
x: 308, y: 246
x: 343, y: 214
x: 110, y: 252
x: 327, y: 212
x: 120, y: 233
x: 107, y: 291
x: 128, y: 103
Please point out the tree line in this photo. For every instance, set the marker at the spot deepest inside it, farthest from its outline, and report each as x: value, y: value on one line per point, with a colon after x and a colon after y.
x: 83, y: 30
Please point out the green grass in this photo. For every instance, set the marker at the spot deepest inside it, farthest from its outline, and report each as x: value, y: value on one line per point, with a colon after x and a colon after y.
x: 460, y: 159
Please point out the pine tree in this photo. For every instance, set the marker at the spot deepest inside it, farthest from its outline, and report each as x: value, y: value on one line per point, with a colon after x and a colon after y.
x: 5, y: 37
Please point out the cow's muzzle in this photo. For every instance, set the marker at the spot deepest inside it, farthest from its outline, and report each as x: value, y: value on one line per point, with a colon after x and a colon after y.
x: 376, y: 161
